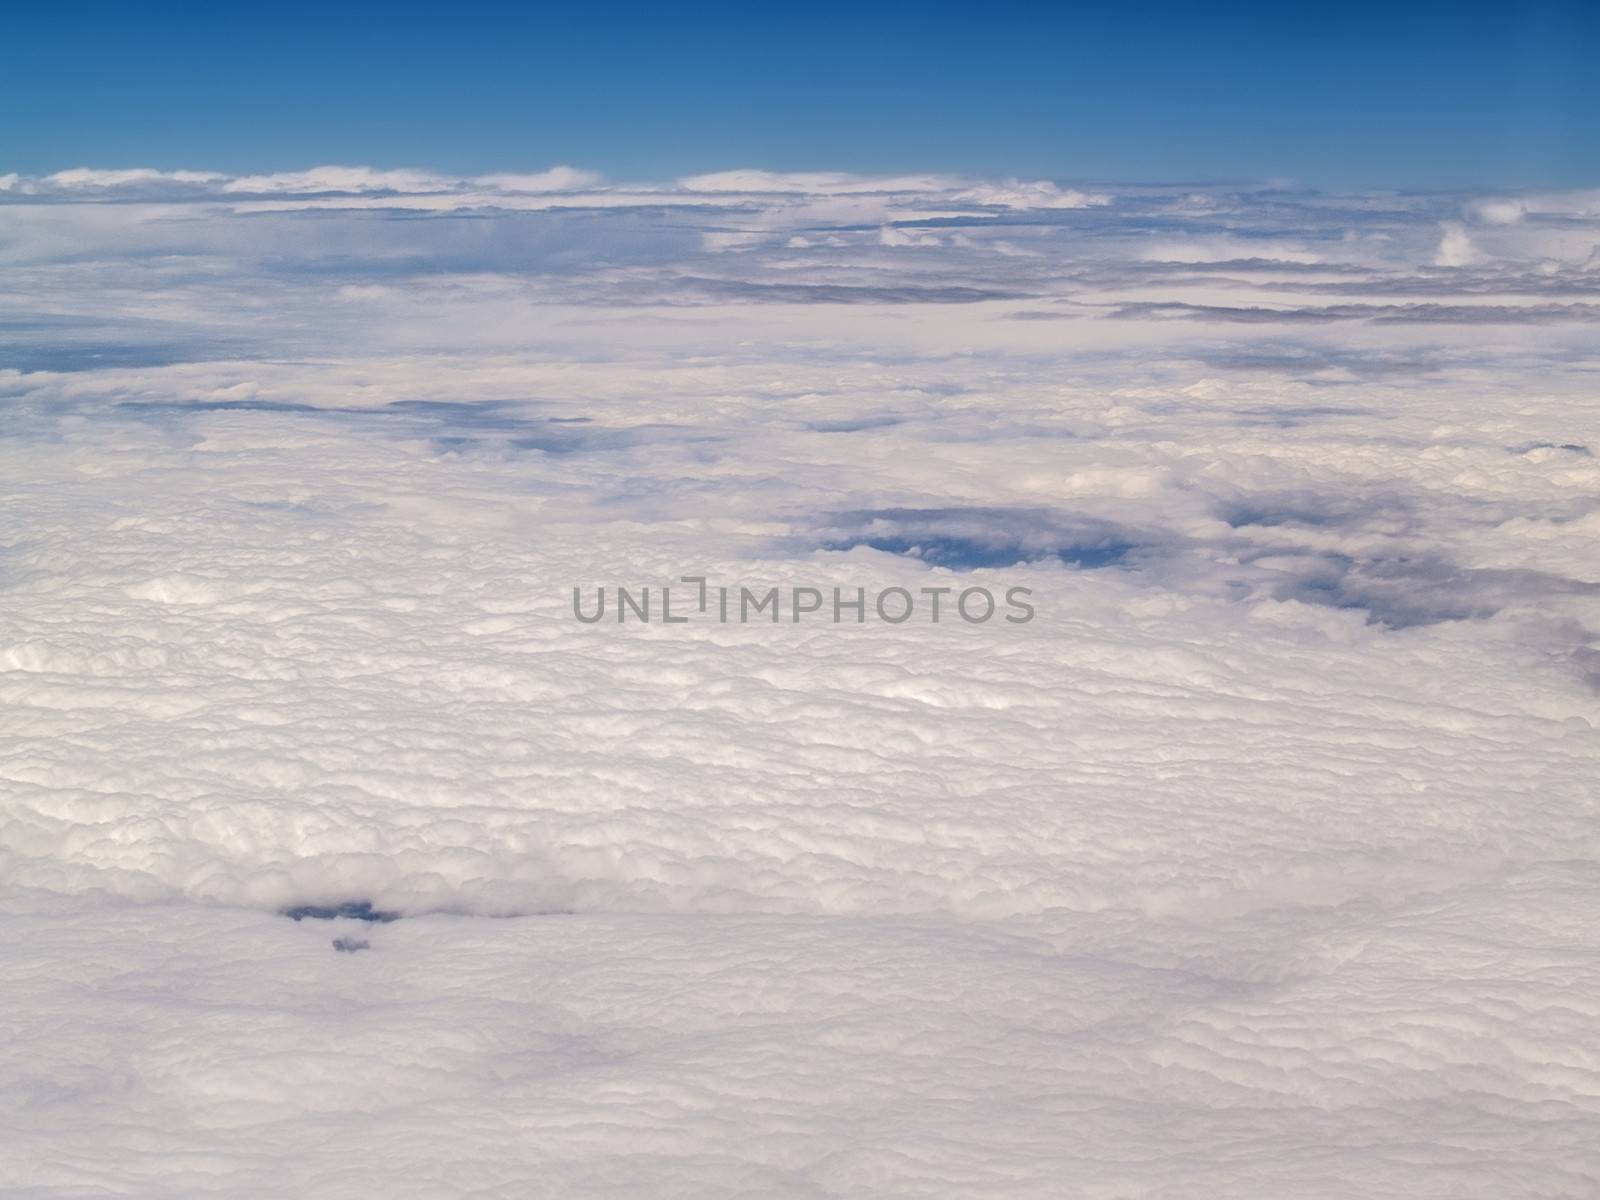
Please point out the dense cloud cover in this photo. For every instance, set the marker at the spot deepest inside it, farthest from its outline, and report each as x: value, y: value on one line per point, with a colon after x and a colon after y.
x: 1262, y: 862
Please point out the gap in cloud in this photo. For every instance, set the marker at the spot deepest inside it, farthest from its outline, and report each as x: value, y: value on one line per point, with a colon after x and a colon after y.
x: 976, y: 538
x: 1403, y: 591
x: 1577, y: 448
x: 1395, y: 589
x: 1376, y: 314
x: 352, y: 910
x: 858, y: 425
x: 368, y: 912
x: 1322, y: 365
x: 451, y: 426
x: 1318, y: 510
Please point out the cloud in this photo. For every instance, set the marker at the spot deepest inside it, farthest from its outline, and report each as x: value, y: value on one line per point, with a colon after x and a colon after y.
x: 1228, y: 248
x: 891, y: 236
x: 1275, y: 816
x: 1041, y: 195
x: 89, y: 177
x: 1500, y: 211
x: 825, y: 183
x: 776, y: 199
x: 1388, y: 314
x: 342, y: 179
x: 734, y: 239
x: 556, y: 179
x: 1455, y: 247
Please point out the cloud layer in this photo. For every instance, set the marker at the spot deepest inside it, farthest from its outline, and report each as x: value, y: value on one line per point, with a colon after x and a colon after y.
x: 1258, y: 864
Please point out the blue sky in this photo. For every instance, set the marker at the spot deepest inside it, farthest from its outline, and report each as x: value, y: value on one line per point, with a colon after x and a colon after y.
x: 1418, y: 95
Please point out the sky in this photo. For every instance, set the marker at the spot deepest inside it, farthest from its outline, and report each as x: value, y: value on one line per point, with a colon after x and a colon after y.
x: 1347, y: 95
x: 340, y: 354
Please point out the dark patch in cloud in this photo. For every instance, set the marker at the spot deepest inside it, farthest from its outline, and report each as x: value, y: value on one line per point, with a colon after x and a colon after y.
x: 1570, y: 447
x: 1377, y: 314
x: 1068, y: 312
x: 1396, y: 590
x: 560, y: 439
x: 1507, y: 279
x: 1402, y: 591
x: 563, y: 440
x: 857, y: 425
x: 451, y: 425
x: 1306, y: 362
x: 720, y: 290
x: 355, y: 910
x: 1394, y: 593
x: 483, y: 416
x: 1195, y: 272
x: 1277, y: 416
x: 1587, y: 661
x: 1293, y: 416
x: 180, y: 406
x: 1315, y: 510
x: 68, y: 357
x: 967, y: 539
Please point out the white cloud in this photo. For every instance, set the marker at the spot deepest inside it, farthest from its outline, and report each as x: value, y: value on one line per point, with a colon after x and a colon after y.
x: 1455, y: 247
x: 1501, y: 211
x: 891, y: 236
x: 342, y: 179
x: 732, y: 239
x: 1040, y: 195
x: 1274, y: 817
x: 89, y: 177
x: 556, y: 179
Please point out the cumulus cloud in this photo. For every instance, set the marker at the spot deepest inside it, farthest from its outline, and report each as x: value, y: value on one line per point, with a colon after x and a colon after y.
x: 1455, y: 247
x: 556, y: 179
x: 1043, y: 195
x: 1501, y: 210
